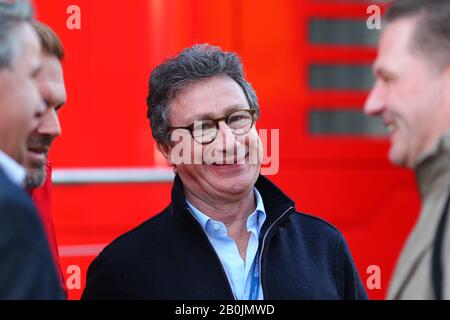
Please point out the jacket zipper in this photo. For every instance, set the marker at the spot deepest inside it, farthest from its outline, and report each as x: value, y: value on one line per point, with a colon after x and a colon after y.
x: 260, y: 256
x: 263, y: 244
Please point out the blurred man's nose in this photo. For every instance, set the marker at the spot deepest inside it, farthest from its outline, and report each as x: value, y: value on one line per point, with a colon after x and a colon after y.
x: 375, y: 103
x: 40, y: 110
x: 225, y: 136
x: 50, y: 124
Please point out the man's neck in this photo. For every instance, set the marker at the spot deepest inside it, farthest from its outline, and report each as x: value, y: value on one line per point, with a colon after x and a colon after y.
x: 228, y: 211
x: 233, y: 214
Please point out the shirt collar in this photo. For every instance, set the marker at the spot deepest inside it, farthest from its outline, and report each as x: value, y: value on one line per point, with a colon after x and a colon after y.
x: 14, y: 171
x: 259, y: 215
x: 259, y: 202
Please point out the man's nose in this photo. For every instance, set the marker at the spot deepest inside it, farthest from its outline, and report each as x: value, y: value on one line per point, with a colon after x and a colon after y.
x: 49, y: 124
x: 375, y: 103
x: 40, y: 110
x: 225, y: 136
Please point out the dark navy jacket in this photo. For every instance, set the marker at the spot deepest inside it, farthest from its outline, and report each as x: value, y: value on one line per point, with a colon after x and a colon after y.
x: 170, y: 257
x: 27, y: 269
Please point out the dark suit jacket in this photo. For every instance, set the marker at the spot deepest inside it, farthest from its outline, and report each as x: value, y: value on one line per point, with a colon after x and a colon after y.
x: 170, y: 257
x: 27, y: 270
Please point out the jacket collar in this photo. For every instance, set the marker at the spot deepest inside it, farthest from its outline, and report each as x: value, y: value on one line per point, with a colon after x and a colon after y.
x: 433, y: 173
x: 433, y: 168
x: 275, y: 201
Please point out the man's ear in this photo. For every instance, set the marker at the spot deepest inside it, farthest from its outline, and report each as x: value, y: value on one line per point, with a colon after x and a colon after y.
x: 447, y: 85
x: 165, y: 151
x: 446, y: 97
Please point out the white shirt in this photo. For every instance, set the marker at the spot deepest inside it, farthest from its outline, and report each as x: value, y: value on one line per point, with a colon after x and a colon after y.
x: 14, y: 171
x: 237, y: 269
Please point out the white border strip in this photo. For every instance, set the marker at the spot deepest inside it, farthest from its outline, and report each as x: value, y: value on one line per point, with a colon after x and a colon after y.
x: 111, y: 175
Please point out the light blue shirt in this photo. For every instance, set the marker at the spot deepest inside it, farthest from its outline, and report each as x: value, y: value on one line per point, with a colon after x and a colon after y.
x: 237, y: 270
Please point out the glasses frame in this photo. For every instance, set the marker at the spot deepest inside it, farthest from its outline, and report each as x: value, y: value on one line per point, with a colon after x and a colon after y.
x: 190, y: 128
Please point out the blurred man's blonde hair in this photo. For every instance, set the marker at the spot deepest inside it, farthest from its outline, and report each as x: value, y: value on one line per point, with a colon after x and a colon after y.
x: 50, y: 42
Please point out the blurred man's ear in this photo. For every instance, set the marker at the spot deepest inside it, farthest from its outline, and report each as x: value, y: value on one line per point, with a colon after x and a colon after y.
x: 447, y: 72
x: 165, y: 151
x: 447, y: 83
x: 446, y: 90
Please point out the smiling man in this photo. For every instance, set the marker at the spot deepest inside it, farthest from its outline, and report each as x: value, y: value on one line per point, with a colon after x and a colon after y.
x: 51, y: 85
x: 26, y: 267
x: 412, y: 95
x: 50, y: 81
x: 229, y: 233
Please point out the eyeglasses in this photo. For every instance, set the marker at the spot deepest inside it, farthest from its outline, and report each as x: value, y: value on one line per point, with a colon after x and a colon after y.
x: 205, y: 131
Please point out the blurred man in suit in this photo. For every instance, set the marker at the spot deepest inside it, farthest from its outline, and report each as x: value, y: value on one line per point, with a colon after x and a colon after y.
x: 412, y: 95
x: 27, y: 270
x: 51, y: 86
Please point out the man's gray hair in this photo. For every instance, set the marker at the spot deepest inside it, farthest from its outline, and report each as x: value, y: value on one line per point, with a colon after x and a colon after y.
x: 12, y: 14
x: 191, y: 65
x: 431, y: 37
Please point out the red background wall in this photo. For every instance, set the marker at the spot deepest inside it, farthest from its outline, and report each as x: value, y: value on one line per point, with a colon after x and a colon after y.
x: 343, y: 179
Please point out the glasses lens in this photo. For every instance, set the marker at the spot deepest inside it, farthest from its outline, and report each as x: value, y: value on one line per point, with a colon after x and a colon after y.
x: 204, y: 131
x: 240, y: 122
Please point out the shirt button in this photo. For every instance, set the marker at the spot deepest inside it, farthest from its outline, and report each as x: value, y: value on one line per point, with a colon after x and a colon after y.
x: 216, y: 226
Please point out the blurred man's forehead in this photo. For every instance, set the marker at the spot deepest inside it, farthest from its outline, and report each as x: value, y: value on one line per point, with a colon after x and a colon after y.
x: 395, y: 44
x: 30, y: 47
x: 51, y: 69
x: 396, y: 38
x: 51, y: 81
x: 29, y: 37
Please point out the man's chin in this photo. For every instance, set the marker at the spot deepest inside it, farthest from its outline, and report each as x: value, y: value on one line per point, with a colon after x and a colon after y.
x: 35, y: 178
x: 234, y: 180
x: 236, y: 188
x: 397, y: 158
